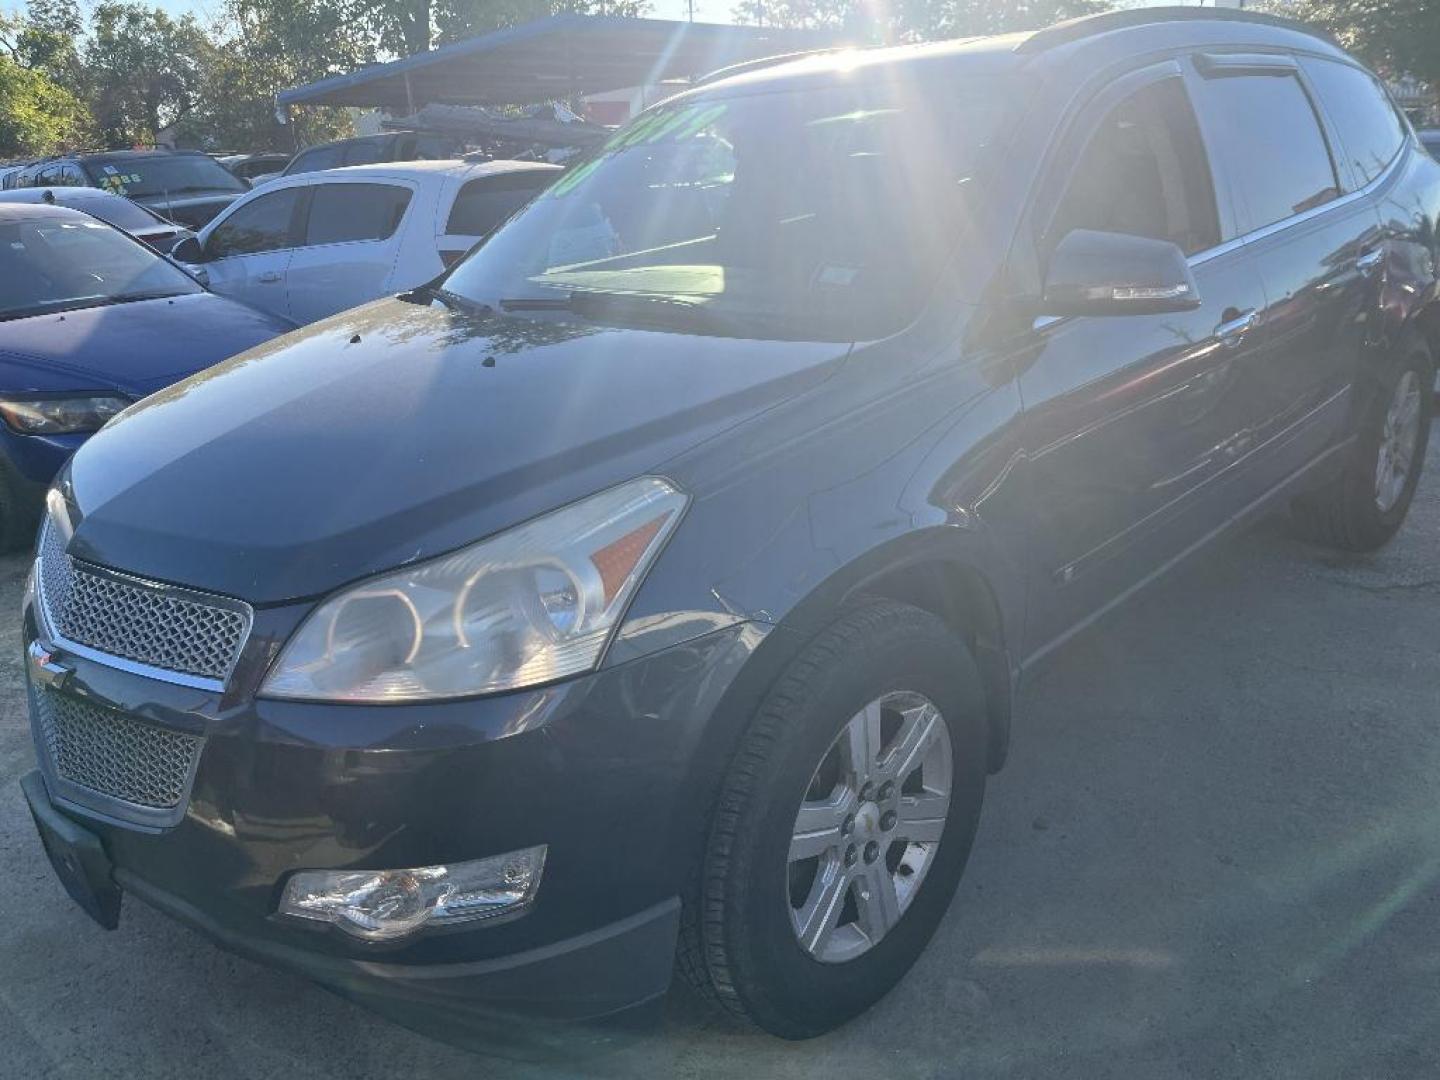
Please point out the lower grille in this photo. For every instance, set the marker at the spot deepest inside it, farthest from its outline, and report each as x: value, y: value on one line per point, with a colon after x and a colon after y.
x: 115, y: 755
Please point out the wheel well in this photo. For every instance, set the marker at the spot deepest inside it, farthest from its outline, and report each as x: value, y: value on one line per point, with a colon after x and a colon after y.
x: 960, y: 595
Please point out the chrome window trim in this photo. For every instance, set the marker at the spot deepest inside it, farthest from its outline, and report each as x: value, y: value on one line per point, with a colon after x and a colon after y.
x: 1267, y: 231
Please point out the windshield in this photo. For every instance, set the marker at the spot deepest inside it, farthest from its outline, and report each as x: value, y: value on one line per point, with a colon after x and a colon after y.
x: 50, y: 264
x: 164, y: 175
x: 817, y: 214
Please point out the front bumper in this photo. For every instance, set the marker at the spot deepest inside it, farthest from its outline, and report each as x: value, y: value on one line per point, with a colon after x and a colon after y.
x: 611, y: 771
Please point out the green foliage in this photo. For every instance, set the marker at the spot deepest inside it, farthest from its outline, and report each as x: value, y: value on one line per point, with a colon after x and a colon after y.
x: 1396, y: 37
x: 36, y: 115
x: 143, y: 69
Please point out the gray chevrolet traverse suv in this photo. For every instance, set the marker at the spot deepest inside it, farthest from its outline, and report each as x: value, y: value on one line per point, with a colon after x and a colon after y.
x: 663, y: 582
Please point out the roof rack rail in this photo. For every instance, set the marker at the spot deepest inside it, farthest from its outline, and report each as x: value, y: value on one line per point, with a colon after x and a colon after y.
x: 1063, y: 33
x: 763, y: 62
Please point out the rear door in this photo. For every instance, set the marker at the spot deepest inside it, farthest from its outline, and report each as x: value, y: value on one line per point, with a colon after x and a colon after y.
x: 481, y: 205
x: 350, y: 239
x: 248, y: 250
x: 1315, y: 244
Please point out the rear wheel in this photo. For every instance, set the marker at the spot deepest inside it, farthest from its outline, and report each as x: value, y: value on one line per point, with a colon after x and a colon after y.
x: 843, y: 825
x: 1362, y: 508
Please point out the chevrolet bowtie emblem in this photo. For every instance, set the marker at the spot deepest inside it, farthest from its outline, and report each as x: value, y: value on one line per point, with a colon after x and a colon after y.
x: 44, y: 671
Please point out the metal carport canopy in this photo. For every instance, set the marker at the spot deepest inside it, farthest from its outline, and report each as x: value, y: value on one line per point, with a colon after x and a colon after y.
x: 552, y: 58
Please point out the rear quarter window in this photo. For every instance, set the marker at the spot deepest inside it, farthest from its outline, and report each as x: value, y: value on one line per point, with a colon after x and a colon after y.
x: 344, y: 213
x: 1369, y: 127
x: 485, y: 202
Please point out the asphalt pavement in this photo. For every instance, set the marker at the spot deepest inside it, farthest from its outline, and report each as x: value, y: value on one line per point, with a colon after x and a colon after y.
x: 1214, y: 853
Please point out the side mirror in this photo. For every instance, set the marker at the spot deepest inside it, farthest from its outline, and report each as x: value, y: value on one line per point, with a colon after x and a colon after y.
x: 188, y: 250
x: 1103, y: 273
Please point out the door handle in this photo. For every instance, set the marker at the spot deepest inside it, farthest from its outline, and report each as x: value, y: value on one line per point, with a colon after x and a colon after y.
x: 1232, y: 330
x: 269, y: 277
x: 1368, y: 263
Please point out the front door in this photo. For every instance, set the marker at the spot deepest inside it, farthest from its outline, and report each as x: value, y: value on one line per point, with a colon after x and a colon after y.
x: 1133, y: 423
x: 248, y: 250
x: 351, y: 240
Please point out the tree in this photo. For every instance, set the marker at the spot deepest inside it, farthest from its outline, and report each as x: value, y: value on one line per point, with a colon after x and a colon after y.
x: 143, y: 69
x: 36, y: 115
x: 1396, y: 37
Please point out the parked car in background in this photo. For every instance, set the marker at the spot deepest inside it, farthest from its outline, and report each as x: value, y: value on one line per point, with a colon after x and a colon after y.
x: 308, y: 246
x: 91, y: 320
x: 7, y: 171
x: 1430, y: 139
x: 185, y: 186
x: 372, y: 149
x: 254, y: 168
x: 656, y: 590
x: 139, y: 221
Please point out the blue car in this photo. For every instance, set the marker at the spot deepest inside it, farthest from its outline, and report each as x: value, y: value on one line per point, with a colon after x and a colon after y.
x: 91, y: 320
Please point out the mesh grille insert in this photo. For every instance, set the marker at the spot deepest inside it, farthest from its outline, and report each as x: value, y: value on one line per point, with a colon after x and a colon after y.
x: 115, y: 755
x: 149, y: 624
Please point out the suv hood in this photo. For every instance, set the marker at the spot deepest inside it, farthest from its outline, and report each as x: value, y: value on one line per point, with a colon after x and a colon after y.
x: 399, y: 431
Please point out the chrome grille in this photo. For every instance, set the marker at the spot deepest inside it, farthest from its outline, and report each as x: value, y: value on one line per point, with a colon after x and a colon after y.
x: 114, y: 755
x: 173, y: 630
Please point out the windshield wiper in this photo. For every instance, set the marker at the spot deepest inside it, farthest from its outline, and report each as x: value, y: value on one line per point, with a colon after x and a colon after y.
x: 454, y: 301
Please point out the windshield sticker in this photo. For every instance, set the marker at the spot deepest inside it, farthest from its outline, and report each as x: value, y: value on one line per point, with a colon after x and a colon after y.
x: 110, y: 169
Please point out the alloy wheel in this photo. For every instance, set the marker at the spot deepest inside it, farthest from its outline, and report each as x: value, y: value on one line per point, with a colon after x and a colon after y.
x: 1399, y: 443
x: 869, y: 826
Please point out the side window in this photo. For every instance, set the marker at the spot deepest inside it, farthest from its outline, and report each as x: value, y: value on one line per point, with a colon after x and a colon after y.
x: 365, y: 153
x: 484, y: 203
x: 71, y: 176
x: 1144, y: 172
x: 434, y: 148
x: 340, y: 213
x: 47, y: 177
x: 263, y: 225
x: 1267, y: 140
x: 1367, y: 123
x: 322, y: 157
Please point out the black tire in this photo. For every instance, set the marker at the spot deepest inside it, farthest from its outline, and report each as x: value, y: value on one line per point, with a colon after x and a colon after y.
x: 1346, y: 512
x: 738, y: 943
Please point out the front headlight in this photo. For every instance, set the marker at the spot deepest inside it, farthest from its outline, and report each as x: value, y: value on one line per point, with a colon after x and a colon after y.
x: 60, y: 416
x: 528, y: 606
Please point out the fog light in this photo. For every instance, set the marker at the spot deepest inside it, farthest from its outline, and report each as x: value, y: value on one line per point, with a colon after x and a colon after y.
x: 381, y: 905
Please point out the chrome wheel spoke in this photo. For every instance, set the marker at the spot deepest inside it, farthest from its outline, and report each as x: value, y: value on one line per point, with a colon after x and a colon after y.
x: 863, y: 741
x: 876, y: 901
x: 817, y: 919
x: 819, y: 825
x: 922, y: 817
x: 914, y: 739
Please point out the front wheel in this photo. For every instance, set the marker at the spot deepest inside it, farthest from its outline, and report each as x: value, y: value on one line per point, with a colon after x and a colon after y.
x: 1361, y: 509
x: 843, y: 825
